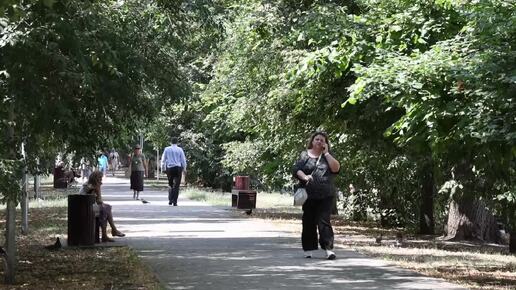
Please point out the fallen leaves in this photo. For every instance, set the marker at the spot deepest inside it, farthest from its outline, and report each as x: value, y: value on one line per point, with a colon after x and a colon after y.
x: 73, y: 268
x: 475, y: 265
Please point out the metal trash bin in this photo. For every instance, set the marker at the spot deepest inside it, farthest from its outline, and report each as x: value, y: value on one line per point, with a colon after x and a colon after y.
x: 234, y: 199
x: 246, y: 199
x: 242, y: 197
x: 241, y: 182
x: 81, y: 220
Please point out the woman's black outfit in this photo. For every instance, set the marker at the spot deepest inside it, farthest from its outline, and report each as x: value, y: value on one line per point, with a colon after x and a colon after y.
x: 317, y: 208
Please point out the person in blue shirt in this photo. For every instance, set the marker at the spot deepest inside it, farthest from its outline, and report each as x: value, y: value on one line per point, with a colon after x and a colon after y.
x: 102, y: 163
x: 173, y: 162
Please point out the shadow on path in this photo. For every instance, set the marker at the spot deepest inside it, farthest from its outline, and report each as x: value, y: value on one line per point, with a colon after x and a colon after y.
x: 195, y: 246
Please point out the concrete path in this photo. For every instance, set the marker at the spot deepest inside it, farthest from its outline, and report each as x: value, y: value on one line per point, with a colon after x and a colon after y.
x: 196, y: 246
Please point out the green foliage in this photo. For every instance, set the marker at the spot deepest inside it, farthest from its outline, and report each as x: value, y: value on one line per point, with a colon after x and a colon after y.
x: 84, y: 75
x: 10, y: 179
x: 238, y: 155
x: 398, y: 85
x: 204, y: 161
x: 457, y: 99
x: 393, y: 82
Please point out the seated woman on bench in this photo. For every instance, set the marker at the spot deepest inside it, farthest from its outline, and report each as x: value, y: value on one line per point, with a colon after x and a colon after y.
x: 105, y: 215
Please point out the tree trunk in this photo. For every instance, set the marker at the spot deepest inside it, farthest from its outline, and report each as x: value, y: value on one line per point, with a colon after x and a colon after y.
x: 469, y: 219
x: 158, y: 163
x: 37, y: 182
x: 426, y: 208
x: 512, y: 241
x: 335, y: 209
x: 10, y: 242
x: 10, y: 223
x: 24, y: 204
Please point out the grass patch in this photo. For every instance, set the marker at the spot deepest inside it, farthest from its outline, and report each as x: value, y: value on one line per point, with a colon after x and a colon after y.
x: 162, y: 183
x: 476, y: 266
x: 265, y: 202
x: 213, y: 197
x: 72, y: 268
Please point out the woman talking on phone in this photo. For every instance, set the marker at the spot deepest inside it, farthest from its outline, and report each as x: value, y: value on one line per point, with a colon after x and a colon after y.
x: 316, y: 169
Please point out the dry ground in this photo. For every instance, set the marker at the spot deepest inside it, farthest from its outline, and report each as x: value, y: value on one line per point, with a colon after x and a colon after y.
x: 476, y: 266
x: 71, y: 268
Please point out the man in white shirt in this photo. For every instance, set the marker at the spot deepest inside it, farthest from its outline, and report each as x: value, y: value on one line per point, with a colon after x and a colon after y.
x: 173, y: 162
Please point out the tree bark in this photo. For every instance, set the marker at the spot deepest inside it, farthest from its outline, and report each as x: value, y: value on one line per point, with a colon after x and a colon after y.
x: 24, y: 204
x: 469, y: 219
x: 426, y: 208
x: 335, y: 208
x: 37, y: 182
x: 10, y: 223
x: 10, y: 243
x: 512, y: 241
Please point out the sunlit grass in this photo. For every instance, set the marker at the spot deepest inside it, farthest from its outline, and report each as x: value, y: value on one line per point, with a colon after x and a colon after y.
x: 470, y: 267
x: 274, y: 200
x: 212, y: 198
x: 43, y: 203
x: 428, y: 257
x: 264, y: 200
x: 57, y: 200
x: 45, y: 180
x: 162, y: 182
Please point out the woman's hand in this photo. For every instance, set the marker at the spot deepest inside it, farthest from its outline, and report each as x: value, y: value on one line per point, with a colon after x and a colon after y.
x: 308, y: 178
x: 325, y: 149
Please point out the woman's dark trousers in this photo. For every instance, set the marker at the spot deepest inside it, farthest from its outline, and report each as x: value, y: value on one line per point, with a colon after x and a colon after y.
x: 316, y: 217
x: 174, y: 179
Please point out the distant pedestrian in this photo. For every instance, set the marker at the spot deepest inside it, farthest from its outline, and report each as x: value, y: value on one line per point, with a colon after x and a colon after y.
x: 173, y: 161
x: 138, y: 169
x: 102, y: 163
x: 85, y: 168
x: 316, y: 169
x: 114, y: 161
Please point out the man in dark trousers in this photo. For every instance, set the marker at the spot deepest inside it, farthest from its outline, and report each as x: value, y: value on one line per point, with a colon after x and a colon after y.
x: 173, y: 161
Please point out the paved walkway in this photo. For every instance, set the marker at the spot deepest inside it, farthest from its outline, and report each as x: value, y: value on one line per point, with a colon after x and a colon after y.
x: 196, y: 246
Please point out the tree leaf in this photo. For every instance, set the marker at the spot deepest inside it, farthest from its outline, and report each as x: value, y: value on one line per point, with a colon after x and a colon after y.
x: 49, y: 3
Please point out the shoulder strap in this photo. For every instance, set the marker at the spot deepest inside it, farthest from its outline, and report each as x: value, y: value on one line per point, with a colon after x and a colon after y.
x: 316, y: 163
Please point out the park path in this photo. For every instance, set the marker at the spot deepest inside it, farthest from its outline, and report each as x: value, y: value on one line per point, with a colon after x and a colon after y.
x: 197, y: 246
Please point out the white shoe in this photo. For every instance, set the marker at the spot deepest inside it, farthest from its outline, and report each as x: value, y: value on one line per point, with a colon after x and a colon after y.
x: 308, y: 254
x: 330, y: 255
